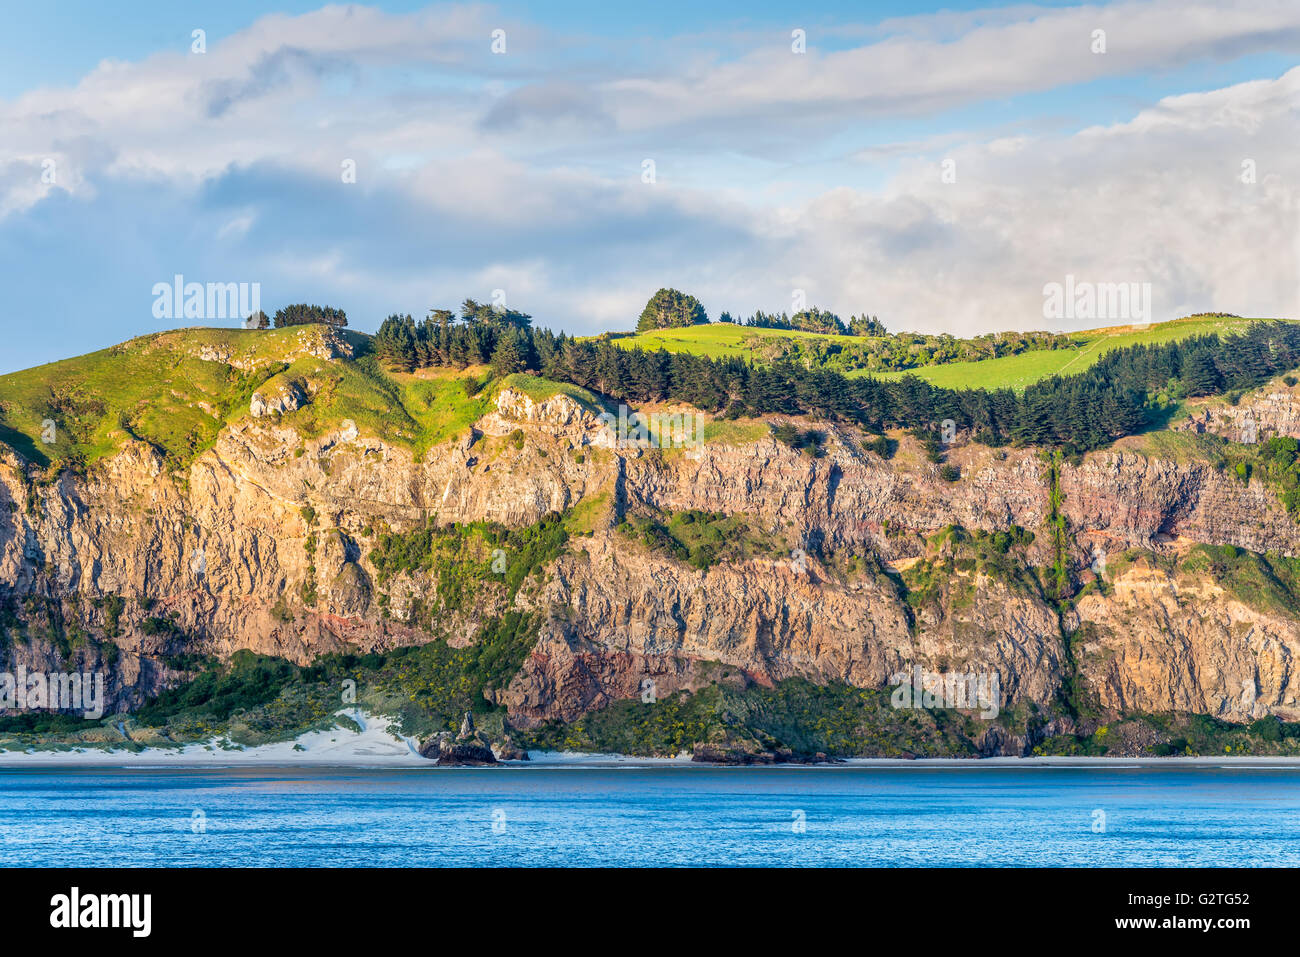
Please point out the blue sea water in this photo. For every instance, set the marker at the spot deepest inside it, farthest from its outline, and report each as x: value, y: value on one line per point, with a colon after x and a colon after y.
x: 638, y: 816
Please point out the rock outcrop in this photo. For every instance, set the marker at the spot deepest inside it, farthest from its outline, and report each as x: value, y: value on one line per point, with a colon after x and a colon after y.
x: 283, y: 400
x: 1276, y: 411
x: 467, y: 749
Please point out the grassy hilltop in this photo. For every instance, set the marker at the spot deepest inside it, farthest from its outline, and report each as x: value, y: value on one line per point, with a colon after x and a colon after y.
x: 725, y: 340
x: 159, y: 389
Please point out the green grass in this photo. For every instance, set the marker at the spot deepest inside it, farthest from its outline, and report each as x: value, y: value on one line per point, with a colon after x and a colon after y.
x: 717, y: 340
x: 1180, y: 447
x: 539, y: 390
x: 702, y: 539
x: 590, y: 514
x: 735, y: 431
x: 153, y: 388
x: 1267, y: 583
x: 1019, y: 371
x: 157, y: 390
x: 724, y: 340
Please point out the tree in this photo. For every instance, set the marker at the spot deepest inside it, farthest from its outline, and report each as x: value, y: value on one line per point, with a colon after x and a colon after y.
x: 865, y: 325
x: 1201, y: 374
x: 493, y: 315
x: 511, y: 353
x: 302, y: 314
x: 669, y: 309
x: 395, y: 342
x: 258, y: 320
x: 817, y: 320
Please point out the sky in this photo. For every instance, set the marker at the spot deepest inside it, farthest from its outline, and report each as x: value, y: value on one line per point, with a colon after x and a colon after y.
x: 937, y: 166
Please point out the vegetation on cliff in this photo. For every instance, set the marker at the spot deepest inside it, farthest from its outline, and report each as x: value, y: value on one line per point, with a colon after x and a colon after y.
x: 948, y: 575
x: 253, y: 699
x: 702, y: 539
x: 462, y: 559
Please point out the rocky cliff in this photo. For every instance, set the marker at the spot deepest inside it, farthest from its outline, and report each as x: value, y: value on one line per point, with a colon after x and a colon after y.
x: 264, y: 541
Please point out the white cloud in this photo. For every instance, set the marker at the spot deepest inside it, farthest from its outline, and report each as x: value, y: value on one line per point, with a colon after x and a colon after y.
x: 523, y: 172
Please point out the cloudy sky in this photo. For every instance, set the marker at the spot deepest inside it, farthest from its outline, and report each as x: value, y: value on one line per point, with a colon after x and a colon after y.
x: 935, y: 167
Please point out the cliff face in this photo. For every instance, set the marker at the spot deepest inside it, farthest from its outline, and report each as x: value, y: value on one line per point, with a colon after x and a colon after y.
x: 221, y: 550
x: 1168, y: 642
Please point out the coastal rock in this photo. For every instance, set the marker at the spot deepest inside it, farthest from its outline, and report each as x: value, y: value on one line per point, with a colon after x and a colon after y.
x: 456, y: 753
x: 741, y: 754
x: 1276, y: 411
x: 463, y: 754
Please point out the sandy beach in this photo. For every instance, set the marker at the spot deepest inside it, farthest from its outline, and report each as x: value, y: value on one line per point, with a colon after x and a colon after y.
x: 375, y: 746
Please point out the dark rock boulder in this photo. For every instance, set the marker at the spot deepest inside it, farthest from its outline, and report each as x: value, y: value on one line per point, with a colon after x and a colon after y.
x: 445, y: 751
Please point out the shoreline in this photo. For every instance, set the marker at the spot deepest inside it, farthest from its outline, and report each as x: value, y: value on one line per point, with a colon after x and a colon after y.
x: 374, y: 747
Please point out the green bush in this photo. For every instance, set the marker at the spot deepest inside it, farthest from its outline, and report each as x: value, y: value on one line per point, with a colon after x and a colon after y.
x: 113, y: 608
x: 881, y: 445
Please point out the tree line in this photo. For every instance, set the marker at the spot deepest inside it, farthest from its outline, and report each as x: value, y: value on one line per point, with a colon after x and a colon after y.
x: 812, y: 319
x: 299, y: 314
x: 1117, y: 396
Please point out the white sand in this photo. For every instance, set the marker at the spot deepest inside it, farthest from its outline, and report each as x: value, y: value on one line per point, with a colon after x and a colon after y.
x: 373, y: 745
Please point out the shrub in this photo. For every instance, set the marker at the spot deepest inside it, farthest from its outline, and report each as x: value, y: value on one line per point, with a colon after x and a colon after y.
x: 113, y: 606
x: 809, y: 441
x: 881, y: 445
x: 1267, y: 729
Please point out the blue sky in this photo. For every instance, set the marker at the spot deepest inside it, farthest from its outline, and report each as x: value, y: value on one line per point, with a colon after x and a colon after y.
x: 778, y: 174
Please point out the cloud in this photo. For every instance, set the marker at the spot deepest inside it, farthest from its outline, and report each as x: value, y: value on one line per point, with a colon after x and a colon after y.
x: 523, y: 172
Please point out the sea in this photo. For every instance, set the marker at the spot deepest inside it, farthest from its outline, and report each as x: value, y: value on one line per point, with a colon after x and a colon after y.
x: 847, y: 815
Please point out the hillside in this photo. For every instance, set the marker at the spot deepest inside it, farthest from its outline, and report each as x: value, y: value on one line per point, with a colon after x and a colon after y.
x: 236, y: 522
x: 724, y: 340
x: 1018, y: 371
x: 177, y: 390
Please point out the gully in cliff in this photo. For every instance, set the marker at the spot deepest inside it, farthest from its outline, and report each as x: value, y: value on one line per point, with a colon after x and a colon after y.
x: 927, y: 689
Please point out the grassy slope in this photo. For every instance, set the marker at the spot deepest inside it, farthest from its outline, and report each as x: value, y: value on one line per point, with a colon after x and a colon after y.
x: 718, y: 340
x: 151, y: 387
x: 724, y: 340
x: 539, y: 390
x: 1018, y: 371
x: 156, y: 389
